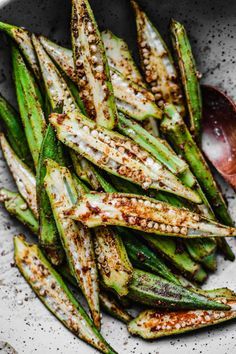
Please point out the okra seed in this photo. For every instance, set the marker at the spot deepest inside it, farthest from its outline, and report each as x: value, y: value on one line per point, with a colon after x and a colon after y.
x: 143, y: 223
x: 147, y: 203
x: 163, y: 227
x: 176, y: 229
x: 143, y: 44
x: 90, y: 27
x: 24, y: 206
x: 93, y: 48
x: 94, y: 133
x: 86, y: 129
x: 156, y: 226
x: 133, y: 200
x: 196, y: 218
x: 150, y: 224
x: 121, y: 149
x: 183, y: 231
x: 168, y: 228
x: 94, y: 59
x: 42, y: 292
x: 107, y: 270
x: 132, y: 220
x: 146, y: 62
x: 155, y: 89
x: 146, y: 185
x: 160, y: 103
x: 99, y: 68
x: 207, y: 318
x: 168, y: 328
x: 157, y: 96
x: 222, y: 314
x: 91, y: 38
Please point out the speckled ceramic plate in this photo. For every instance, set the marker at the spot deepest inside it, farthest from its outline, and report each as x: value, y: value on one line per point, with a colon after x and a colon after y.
x: 25, y: 324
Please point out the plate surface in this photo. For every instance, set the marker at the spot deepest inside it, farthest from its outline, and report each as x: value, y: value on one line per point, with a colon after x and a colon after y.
x: 24, y: 322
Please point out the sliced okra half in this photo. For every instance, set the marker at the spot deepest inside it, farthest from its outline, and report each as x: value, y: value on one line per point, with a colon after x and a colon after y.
x: 153, y: 324
x: 145, y: 214
x: 76, y: 239
x: 117, y: 154
x: 157, y: 63
x: 53, y: 292
x: 91, y: 66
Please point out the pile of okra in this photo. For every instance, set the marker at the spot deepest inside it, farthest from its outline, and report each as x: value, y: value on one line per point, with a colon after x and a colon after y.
x: 111, y: 180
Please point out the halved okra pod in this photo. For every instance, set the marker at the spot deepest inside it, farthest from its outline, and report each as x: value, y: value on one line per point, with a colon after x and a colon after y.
x: 17, y: 206
x: 131, y: 98
x: 52, y: 291
x: 13, y: 129
x: 23, y: 176
x: 189, y: 76
x: 30, y: 104
x: 174, y: 251
x: 117, y: 154
x: 154, y: 291
x: 153, y: 324
x: 91, y: 66
x: 76, y: 239
x: 145, y: 214
x: 157, y: 62
x: 22, y: 37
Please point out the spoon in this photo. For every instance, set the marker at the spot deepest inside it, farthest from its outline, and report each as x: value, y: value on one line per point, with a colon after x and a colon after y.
x: 219, y: 132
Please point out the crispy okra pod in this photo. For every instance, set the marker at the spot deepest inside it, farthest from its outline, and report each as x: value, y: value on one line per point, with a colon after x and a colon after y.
x: 189, y: 76
x: 153, y: 324
x: 144, y: 214
x: 17, y: 206
x: 23, y: 176
x: 181, y: 140
x: 175, y: 252
x: 131, y: 98
x: 92, y: 70
x: 116, y: 154
x: 157, y: 63
x: 76, y: 239
x: 154, y: 291
x: 29, y: 101
x: 22, y: 38
x: 13, y: 129
x: 52, y: 291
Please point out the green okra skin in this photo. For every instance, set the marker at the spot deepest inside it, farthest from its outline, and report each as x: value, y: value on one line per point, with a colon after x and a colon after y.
x: 48, y: 234
x: 22, y: 38
x: 131, y: 98
x: 17, y: 207
x: 29, y: 102
x: 201, y: 248
x: 113, y: 263
x: 116, y: 154
x: 107, y: 303
x: 23, y: 176
x: 120, y: 58
x: 76, y: 239
x: 53, y: 292
x: 144, y: 258
x: 154, y: 291
x: 157, y: 63
x: 153, y: 324
x: 189, y: 76
x: 93, y: 75
x: 175, y: 130
x: 176, y: 254
x: 14, y: 132
x: 144, y: 214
